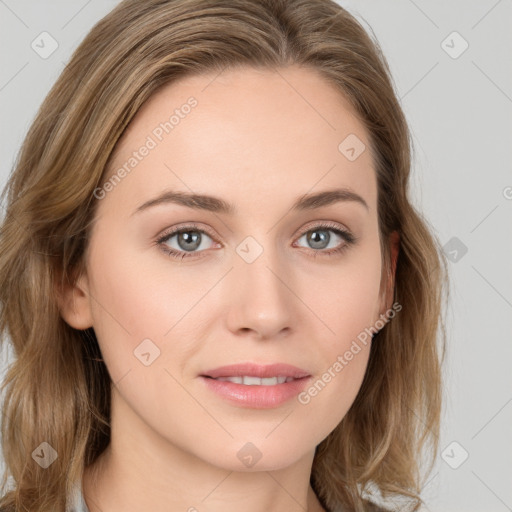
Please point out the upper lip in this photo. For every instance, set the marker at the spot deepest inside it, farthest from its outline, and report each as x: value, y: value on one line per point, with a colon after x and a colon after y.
x: 257, y: 370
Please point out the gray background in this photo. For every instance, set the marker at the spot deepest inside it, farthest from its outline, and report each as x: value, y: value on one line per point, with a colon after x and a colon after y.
x: 459, y: 108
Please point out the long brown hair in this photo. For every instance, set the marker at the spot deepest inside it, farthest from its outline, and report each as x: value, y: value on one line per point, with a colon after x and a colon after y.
x: 58, y: 390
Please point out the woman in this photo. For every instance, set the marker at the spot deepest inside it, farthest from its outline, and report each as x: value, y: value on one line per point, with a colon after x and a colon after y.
x: 217, y: 290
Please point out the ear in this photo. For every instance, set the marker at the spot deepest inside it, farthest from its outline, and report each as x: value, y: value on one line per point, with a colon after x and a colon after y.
x: 74, y: 304
x: 394, y: 241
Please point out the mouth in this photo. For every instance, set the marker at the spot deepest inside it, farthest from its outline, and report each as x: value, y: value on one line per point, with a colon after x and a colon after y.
x: 256, y: 386
x: 257, y: 374
x: 249, y: 380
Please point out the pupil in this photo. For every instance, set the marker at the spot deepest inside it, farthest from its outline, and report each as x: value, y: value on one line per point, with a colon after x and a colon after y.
x: 189, y: 240
x: 319, y: 242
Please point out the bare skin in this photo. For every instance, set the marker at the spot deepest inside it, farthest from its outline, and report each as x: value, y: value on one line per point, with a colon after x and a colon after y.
x: 258, y: 139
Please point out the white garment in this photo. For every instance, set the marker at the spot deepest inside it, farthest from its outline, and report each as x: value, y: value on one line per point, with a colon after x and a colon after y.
x: 77, y: 502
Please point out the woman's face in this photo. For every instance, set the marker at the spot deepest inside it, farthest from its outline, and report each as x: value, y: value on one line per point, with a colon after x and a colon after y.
x: 251, y: 279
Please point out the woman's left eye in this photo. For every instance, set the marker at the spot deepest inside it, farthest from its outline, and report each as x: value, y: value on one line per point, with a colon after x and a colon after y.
x: 190, y: 240
x: 320, y: 238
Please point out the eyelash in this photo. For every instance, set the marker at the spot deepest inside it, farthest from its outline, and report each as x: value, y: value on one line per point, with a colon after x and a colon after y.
x: 348, y: 237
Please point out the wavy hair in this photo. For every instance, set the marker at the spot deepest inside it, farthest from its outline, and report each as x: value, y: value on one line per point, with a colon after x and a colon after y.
x: 58, y: 389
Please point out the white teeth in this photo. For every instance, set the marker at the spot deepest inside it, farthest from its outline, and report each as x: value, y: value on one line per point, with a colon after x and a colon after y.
x: 256, y: 381
x: 253, y: 381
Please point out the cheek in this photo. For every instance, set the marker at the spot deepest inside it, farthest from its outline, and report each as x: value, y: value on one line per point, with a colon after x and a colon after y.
x: 346, y: 297
x: 348, y: 304
x: 140, y: 295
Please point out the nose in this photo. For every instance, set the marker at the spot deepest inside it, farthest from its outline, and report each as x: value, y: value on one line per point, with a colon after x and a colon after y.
x: 261, y: 302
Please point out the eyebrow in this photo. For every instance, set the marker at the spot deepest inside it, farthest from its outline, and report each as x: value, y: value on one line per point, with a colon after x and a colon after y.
x: 215, y: 204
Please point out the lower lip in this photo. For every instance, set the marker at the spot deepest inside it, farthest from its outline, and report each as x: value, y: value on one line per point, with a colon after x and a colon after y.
x: 256, y: 397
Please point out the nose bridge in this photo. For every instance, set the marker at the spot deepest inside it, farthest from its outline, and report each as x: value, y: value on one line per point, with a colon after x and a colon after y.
x: 261, y: 300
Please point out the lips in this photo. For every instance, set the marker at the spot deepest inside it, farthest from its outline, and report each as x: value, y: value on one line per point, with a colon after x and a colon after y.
x: 256, y: 386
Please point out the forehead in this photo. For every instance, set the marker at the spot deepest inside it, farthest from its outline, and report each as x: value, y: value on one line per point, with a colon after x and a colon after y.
x: 249, y: 130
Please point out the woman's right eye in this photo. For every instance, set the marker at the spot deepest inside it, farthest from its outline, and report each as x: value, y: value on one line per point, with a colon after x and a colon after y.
x: 187, y: 242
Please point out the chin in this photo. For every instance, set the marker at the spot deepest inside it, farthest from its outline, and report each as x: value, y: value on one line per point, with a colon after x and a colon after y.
x: 246, y: 456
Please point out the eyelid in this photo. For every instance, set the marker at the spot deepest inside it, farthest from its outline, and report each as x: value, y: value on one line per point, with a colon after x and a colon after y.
x: 187, y: 226
x: 319, y: 223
